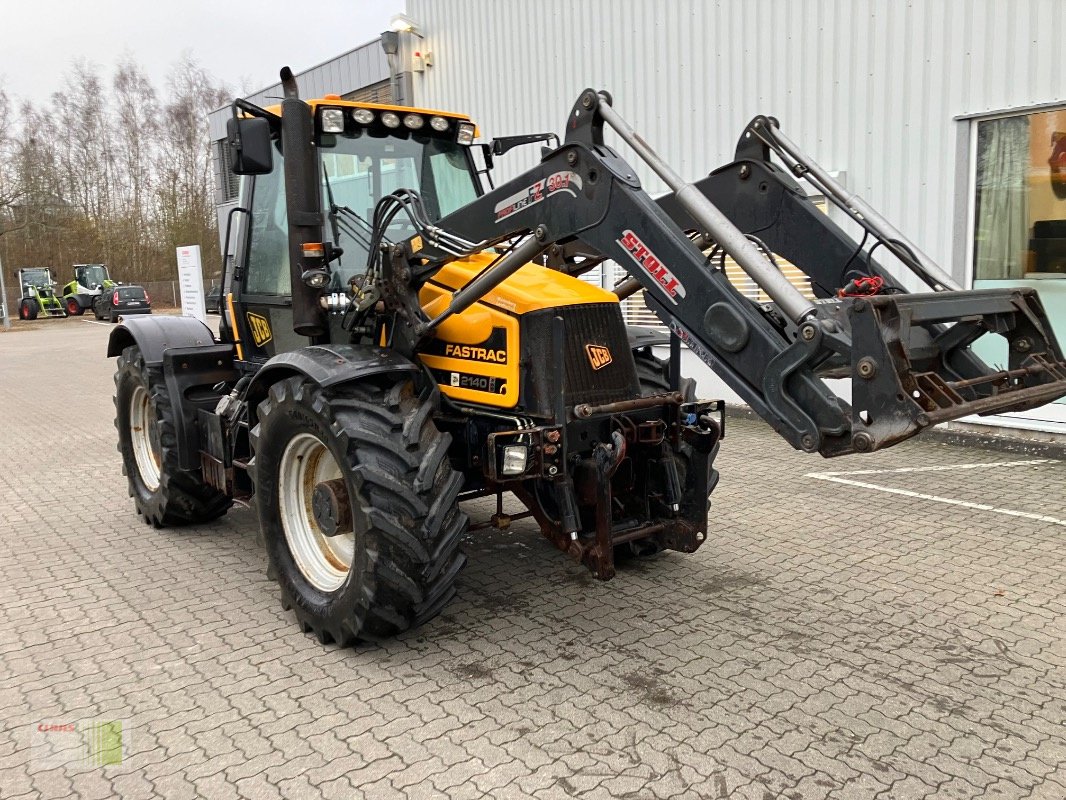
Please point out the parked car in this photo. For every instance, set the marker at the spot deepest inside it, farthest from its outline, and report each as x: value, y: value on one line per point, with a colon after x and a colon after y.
x: 213, y: 301
x: 121, y: 302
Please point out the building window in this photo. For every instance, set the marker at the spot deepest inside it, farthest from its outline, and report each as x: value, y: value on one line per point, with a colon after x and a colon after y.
x: 1020, y: 203
x: 229, y: 183
x: 379, y: 92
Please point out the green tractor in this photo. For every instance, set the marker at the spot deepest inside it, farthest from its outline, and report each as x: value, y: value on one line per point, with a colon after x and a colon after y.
x: 38, y: 294
x: 90, y: 281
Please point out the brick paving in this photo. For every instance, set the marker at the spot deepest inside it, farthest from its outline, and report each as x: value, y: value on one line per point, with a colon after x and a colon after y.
x: 827, y: 641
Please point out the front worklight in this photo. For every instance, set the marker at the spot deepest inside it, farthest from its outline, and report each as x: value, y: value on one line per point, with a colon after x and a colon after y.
x: 315, y: 278
x: 364, y: 116
x: 439, y: 124
x: 333, y: 120
x: 413, y: 121
x: 390, y: 120
x: 466, y: 133
x: 515, y: 458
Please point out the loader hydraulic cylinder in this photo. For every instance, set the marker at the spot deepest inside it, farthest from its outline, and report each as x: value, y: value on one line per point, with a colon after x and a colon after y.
x: 713, y: 221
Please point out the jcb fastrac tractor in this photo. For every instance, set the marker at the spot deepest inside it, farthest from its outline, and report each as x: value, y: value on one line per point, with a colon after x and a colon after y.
x: 389, y: 348
x: 90, y: 281
x: 38, y: 294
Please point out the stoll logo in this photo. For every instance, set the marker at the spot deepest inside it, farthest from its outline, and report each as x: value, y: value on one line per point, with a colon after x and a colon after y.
x: 65, y: 743
x: 649, y: 262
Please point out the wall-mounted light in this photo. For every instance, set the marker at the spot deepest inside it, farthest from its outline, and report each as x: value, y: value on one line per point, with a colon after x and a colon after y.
x: 401, y: 23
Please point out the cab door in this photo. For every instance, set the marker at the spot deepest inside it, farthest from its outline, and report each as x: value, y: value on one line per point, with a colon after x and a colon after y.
x: 260, y: 286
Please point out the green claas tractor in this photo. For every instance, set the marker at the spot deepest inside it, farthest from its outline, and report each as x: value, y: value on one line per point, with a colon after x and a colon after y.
x: 399, y: 335
x: 38, y: 294
x: 90, y: 281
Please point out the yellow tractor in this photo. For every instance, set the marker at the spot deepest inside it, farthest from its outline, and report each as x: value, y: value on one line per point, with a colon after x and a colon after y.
x: 398, y: 337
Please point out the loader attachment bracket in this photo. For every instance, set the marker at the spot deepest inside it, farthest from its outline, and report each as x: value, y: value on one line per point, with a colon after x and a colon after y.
x: 910, y: 371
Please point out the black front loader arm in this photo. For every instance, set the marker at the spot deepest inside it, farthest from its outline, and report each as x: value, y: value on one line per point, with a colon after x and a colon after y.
x: 589, y: 194
x: 910, y: 366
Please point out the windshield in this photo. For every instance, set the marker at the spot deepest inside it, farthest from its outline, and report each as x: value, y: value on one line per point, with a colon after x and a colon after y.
x: 356, y: 171
x: 91, y: 275
x: 36, y: 277
x: 362, y: 168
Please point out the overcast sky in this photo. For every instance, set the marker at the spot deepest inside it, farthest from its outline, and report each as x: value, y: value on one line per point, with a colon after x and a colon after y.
x: 243, y: 44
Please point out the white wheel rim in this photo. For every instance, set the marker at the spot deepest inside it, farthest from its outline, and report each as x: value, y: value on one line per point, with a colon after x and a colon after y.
x: 144, y: 434
x: 323, y: 560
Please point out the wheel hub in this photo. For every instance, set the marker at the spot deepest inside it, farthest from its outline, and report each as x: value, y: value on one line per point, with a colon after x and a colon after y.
x: 324, y: 558
x: 332, y: 507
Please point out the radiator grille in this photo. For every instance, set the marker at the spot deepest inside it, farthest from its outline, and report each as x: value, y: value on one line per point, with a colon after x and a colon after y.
x: 598, y: 326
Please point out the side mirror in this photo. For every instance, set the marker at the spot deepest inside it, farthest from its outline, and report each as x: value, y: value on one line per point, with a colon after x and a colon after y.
x: 249, y: 145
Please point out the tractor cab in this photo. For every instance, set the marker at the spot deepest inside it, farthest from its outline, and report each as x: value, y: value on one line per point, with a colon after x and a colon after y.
x: 362, y: 152
x: 93, y: 277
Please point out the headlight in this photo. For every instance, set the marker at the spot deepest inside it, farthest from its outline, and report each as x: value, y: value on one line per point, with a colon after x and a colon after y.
x: 333, y: 120
x: 515, y: 458
x: 466, y: 133
x: 364, y: 116
x: 439, y: 124
x: 413, y: 121
x: 315, y: 278
x: 390, y: 120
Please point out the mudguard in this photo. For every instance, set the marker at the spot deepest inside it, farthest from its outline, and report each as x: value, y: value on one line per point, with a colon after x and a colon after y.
x: 326, y: 365
x: 640, y: 337
x: 191, y: 362
x: 155, y: 334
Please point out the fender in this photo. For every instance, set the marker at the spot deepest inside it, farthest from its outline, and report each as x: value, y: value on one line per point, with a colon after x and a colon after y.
x: 155, y: 334
x: 184, y: 350
x: 640, y: 337
x: 327, y: 365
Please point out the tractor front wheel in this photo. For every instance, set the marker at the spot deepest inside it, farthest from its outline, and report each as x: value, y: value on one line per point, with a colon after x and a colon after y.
x: 357, y: 505
x: 163, y: 492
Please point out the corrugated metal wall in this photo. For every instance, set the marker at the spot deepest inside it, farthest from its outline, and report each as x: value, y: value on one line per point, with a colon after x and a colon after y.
x: 867, y: 87
x: 353, y: 70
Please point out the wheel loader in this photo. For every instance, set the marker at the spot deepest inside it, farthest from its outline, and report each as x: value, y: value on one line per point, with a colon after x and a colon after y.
x: 90, y: 281
x: 398, y: 336
x: 38, y: 294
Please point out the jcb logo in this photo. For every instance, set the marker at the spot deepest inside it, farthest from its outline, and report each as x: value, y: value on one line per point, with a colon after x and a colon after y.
x: 599, y: 356
x: 260, y: 329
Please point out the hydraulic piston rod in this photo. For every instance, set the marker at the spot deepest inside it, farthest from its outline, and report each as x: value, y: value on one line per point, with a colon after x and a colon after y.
x: 705, y: 213
x: 911, y: 255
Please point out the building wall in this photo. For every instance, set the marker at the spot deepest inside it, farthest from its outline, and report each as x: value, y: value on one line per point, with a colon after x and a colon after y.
x: 871, y: 88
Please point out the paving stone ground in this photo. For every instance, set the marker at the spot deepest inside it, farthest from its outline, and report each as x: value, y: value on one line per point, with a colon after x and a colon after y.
x: 829, y: 640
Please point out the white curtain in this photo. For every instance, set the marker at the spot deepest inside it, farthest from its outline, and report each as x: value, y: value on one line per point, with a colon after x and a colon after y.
x: 1002, y: 234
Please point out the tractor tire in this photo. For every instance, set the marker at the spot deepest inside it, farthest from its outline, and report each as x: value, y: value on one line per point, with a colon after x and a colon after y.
x: 74, y: 309
x: 163, y: 492
x: 654, y: 376
x: 28, y: 309
x: 394, y: 563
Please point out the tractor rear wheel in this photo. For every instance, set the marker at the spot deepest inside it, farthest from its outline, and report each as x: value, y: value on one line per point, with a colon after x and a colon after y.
x: 163, y: 492
x: 357, y: 505
x: 74, y: 309
x: 28, y: 309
